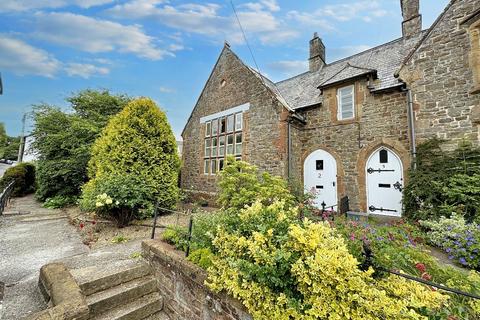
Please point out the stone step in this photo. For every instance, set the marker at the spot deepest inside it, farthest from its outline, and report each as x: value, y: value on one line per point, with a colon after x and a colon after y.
x: 147, y: 306
x: 98, y: 278
x: 102, y: 301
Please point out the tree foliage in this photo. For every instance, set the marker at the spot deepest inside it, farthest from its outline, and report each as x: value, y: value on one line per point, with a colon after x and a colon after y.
x: 137, y: 142
x: 443, y: 182
x: 63, y: 140
x: 3, y: 140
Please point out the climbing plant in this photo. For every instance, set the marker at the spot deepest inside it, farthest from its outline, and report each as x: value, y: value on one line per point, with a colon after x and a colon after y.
x: 443, y: 182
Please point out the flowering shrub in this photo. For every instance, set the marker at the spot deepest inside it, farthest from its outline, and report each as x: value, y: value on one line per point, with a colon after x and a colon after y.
x: 283, y: 269
x: 241, y: 184
x: 460, y: 240
x: 119, y: 197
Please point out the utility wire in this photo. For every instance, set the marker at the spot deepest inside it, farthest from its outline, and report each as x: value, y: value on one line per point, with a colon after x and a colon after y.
x: 245, y: 38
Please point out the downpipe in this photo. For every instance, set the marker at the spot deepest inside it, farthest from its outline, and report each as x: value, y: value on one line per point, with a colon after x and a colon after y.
x: 411, y: 127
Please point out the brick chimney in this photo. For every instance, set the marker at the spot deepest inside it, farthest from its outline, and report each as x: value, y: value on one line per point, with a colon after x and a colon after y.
x: 317, y: 53
x: 412, y: 19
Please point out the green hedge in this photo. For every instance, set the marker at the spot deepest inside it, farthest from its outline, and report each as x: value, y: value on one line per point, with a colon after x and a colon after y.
x: 24, y: 175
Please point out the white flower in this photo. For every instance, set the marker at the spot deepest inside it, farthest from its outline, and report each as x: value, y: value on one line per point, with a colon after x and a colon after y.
x: 98, y: 204
x: 108, y: 201
x: 117, y: 202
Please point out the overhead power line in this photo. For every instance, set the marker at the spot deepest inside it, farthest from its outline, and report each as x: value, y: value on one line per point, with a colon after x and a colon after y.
x: 245, y: 38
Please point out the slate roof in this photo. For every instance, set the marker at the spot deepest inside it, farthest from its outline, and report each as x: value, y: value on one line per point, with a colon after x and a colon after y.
x: 302, y: 90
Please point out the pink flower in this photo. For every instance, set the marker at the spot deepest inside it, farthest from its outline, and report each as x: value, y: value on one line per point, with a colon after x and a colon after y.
x: 421, y: 267
x: 426, y: 276
x: 352, y: 236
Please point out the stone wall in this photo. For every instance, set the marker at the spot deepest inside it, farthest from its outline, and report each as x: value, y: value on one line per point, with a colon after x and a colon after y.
x: 264, y: 130
x: 440, y: 75
x: 181, y: 283
x: 381, y: 120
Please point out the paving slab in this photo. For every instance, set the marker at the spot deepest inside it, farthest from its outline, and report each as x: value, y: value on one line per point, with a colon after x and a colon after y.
x: 31, y: 236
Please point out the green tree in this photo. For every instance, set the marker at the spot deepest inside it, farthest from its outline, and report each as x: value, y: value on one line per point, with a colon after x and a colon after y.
x: 63, y: 140
x: 3, y: 140
x: 138, y: 142
x: 11, y: 150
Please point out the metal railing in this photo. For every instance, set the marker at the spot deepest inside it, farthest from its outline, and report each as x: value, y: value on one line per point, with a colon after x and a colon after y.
x: 5, y: 196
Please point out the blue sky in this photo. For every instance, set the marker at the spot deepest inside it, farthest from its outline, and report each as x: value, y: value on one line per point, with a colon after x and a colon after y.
x: 166, y: 49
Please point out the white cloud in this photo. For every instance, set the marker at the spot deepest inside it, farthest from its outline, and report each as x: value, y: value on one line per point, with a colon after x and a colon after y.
x: 21, y: 58
x: 85, y: 70
x: 166, y: 90
x: 205, y: 19
x: 289, y: 67
x: 94, y: 35
x: 25, y: 5
x: 341, y: 12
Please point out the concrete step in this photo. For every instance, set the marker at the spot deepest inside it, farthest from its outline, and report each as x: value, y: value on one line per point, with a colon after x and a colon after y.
x: 98, y: 278
x: 147, y: 306
x: 121, y: 294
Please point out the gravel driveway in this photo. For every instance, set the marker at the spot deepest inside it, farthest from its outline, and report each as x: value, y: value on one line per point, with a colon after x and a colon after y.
x: 31, y: 236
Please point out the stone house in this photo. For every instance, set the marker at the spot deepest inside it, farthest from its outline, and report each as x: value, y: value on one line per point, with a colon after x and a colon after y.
x: 349, y: 127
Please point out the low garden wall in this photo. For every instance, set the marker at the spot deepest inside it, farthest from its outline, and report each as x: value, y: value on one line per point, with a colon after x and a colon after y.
x: 182, y: 285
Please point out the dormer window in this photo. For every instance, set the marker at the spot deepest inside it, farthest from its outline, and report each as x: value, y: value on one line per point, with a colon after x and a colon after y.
x: 346, y: 103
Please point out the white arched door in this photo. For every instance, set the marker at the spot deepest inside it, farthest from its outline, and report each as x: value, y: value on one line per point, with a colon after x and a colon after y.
x: 320, y: 176
x: 384, y: 174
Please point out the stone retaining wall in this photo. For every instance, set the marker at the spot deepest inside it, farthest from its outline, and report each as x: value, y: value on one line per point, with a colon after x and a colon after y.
x: 182, y: 285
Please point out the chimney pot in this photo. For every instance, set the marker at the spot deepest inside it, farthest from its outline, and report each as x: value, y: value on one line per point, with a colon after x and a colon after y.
x: 317, y: 53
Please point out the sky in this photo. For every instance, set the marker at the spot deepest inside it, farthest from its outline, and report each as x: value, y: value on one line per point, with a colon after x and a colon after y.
x: 165, y: 50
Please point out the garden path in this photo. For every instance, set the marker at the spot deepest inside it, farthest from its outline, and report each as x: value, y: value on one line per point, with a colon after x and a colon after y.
x: 31, y: 236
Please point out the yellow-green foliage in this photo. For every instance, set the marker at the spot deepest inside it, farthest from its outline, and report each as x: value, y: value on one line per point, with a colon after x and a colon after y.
x: 138, y: 141
x: 282, y: 269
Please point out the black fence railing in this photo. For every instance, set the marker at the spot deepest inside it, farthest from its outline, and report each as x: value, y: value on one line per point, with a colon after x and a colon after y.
x: 5, y: 196
x: 368, y: 254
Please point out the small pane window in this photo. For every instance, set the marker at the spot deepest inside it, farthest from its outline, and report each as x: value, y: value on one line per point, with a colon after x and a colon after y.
x: 230, y: 120
x: 206, y: 166
x: 221, y: 164
x: 214, y: 146
x: 214, y: 166
x: 238, y: 121
x: 345, y: 99
x: 221, y: 148
x: 214, y: 127
x: 238, y: 143
x: 319, y: 164
x: 238, y: 158
x: 208, y: 129
x: 383, y: 156
x: 222, y: 125
x: 230, y: 144
x: 207, y: 147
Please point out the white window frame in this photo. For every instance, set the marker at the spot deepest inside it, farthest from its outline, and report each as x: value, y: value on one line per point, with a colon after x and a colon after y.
x: 206, y: 167
x: 208, y: 129
x: 339, y: 102
x: 239, y: 116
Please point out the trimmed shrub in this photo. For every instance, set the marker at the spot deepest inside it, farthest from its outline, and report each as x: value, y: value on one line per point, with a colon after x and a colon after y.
x: 138, y: 143
x: 59, y: 202
x: 176, y: 236
x: 24, y: 176
x: 201, y: 257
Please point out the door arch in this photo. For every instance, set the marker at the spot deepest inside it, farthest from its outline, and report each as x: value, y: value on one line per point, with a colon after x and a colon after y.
x: 384, y: 172
x: 320, y: 176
